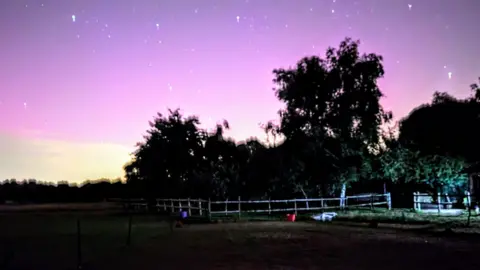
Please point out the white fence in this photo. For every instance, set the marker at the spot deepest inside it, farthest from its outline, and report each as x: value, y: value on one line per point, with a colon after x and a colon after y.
x: 239, y: 206
x: 440, y: 202
x: 192, y: 206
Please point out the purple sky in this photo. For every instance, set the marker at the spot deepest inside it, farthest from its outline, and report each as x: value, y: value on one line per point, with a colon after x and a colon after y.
x: 80, y: 79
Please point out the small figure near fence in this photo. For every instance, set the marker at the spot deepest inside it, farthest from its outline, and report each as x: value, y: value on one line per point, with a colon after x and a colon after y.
x: 181, y: 219
x: 177, y: 219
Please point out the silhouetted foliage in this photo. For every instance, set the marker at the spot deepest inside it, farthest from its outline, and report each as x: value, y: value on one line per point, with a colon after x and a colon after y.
x: 330, y: 136
x: 331, y: 124
x: 32, y: 191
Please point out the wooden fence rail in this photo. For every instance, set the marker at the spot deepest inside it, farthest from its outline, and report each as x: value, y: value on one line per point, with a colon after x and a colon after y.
x: 228, y: 207
x: 369, y: 200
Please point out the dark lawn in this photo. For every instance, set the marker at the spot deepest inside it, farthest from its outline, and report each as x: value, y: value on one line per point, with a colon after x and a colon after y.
x: 48, y: 241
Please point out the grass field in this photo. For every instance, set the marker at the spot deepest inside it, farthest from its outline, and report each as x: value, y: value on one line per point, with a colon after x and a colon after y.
x: 49, y: 241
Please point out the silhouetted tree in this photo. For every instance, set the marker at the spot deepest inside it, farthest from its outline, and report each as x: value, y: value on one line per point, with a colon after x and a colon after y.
x: 332, y: 115
x: 447, y: 126
x: 170, y: 155
x: 329, y: 137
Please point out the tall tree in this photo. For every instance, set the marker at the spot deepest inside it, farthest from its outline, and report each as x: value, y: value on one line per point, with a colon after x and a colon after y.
x: 222, y: 163
x: 446, y: 126
x: 170, y: 154
x: 332, y: 112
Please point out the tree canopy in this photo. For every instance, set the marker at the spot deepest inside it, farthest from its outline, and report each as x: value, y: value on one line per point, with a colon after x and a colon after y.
x: 332, y: 131
x: 331, y: 124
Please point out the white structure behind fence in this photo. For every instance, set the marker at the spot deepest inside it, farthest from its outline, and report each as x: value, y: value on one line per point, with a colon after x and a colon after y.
x: 440, y: 202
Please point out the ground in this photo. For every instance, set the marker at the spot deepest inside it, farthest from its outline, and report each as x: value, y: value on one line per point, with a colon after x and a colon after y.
x: 49, y: 241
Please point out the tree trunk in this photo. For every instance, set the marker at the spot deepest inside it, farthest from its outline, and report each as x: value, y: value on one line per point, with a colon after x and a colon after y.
x: 469, y: 215
x: 306, y: 197
x: 343, y: 195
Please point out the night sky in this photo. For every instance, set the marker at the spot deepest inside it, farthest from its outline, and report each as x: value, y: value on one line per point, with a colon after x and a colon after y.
x: 80, y: 79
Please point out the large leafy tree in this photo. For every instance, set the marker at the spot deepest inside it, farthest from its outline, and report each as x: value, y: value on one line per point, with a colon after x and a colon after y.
x: 170, y: 154
x: 179, y: 159
x: 332, y: 113
x: 436, y: 142
x: 432, y: 171
x: 446, y: 126
x: 221, y: 163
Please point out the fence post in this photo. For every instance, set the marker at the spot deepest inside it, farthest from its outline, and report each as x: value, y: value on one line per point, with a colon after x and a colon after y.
x: 164, y: 205
x: 129, y: 233
x: 226, y: 207
x: 269, y: 207
x: 419, y: 202
x: 200, y: 206
x: 439, y: 197
x: 415, y: 208
x: 469, y: 207
x: 189, y: 207
x: 171, y: 205
x: 179, y: 205
x: 371, y: 202
x: 209, y: 211
x: 295, y: 205
x: 321, y: 203
x: 448, y: 201
x: 239, y: 208
x: 389, y: 201
x: 79, y: 245
x: 469, y: 199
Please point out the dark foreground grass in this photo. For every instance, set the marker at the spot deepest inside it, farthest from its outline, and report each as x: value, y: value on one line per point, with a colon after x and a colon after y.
x: 300, y: 245
x: 404, y: 215
x: 395, y: 216
x: 48, y: 241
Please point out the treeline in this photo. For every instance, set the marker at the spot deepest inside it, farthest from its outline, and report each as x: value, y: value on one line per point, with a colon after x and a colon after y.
x: 33, y: 191
x: 332, y: 138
